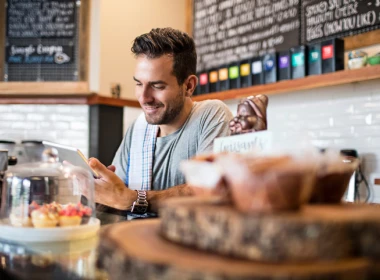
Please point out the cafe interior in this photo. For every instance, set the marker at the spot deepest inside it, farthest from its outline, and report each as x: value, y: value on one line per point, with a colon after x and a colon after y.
x: 291, y: 190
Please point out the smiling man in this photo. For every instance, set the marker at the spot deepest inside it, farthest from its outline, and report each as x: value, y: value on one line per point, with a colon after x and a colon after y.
x: 171, y: 129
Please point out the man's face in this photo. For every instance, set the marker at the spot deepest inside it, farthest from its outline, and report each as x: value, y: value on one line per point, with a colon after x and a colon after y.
x: 157, y: 89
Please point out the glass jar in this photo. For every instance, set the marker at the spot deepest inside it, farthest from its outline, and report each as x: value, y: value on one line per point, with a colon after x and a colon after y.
x: 48, y: 195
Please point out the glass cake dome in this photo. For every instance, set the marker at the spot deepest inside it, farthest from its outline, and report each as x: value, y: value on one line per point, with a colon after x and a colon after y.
x: 47, y: 196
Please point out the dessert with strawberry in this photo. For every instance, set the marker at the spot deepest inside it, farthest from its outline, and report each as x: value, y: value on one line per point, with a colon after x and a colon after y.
x: 45, y: 216
x: 72, y: 215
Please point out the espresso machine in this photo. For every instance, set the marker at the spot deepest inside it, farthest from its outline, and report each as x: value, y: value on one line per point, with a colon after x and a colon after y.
x: 5, y: 160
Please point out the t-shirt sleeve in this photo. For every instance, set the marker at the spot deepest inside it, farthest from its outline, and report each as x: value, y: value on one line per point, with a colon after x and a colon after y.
x: 215, y: 124
x: 122, y: 155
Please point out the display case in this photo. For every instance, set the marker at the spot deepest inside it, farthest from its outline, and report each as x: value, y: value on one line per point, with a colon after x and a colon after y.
x: 47, y: 201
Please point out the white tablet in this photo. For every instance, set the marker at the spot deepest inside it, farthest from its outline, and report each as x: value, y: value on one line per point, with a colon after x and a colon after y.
x: 72, y: 155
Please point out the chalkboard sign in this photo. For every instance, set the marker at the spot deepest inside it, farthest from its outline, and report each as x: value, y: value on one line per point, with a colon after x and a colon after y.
x: 231, y: 30
x: 39, y: 54
x: 338, y: 18
x: 41, y: 18
x: 42, y: 40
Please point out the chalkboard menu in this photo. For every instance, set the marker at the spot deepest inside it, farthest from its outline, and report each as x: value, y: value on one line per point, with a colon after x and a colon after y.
x: 42, y: 40
x: 228, y: 31
x: 338, y: 18
x: 40, y: 18
x: 231, y: 30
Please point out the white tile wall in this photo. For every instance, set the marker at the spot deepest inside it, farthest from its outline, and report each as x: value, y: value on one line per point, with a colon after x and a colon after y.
x: 64, y: 124
x: 340, y: 117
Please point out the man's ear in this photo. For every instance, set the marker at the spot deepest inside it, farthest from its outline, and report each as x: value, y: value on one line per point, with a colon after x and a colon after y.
x: 190, y: 84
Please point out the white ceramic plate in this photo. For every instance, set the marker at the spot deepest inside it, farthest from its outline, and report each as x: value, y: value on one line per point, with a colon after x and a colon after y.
x: 29, y: 234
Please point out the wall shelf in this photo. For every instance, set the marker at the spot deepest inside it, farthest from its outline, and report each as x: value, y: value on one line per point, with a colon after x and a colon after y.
x: 78, y: 98
x: 310, y: 82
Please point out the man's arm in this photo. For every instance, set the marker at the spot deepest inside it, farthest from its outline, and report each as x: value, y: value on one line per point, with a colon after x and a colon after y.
x: 110, y: 190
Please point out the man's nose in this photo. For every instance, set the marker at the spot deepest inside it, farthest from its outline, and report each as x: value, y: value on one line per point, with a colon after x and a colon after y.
x: 146, y: 95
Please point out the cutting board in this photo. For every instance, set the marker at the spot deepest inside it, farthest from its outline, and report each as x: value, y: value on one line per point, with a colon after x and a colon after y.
x: 135, y: 250
x: 315, y: 232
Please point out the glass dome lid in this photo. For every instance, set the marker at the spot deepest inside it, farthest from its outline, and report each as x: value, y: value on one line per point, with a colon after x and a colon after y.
x: 47, y: 195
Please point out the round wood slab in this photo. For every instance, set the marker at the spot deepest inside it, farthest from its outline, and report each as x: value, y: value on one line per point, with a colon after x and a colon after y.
x: 316, y: 232
x: 135, y: 250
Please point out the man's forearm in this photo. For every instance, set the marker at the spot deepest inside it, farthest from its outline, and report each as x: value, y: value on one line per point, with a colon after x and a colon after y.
x: 155, y: 197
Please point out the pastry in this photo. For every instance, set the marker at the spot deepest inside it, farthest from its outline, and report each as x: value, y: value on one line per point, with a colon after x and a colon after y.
x: 74, y: 215
x: 267, y: 184
x: 332, y: 179
x: 45, y: 217
x: 69, y: 216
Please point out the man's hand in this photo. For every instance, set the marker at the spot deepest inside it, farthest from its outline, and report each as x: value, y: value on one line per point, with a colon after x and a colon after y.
x: 110, y: 190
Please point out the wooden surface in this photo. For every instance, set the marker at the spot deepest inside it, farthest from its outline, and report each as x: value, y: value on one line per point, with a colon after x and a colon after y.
x: 88, y: 98
x: 2, y: 38
x: 362, y: 40
x: 189, y: 17
x: 316, y: 232
x: 84, y: 39
x: 135, y: 250
x: 44, y: 88
x: 309, y: 82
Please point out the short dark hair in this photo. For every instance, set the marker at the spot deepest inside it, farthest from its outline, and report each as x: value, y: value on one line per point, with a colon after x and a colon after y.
x: 160, y: 41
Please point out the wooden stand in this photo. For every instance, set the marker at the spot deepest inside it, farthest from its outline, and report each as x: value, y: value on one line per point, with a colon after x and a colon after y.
x: 316, y: 232
x: 135, y: 250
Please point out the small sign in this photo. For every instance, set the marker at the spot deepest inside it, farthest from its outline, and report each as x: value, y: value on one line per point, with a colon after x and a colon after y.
x: 39, y: 54
x: 249, y: 142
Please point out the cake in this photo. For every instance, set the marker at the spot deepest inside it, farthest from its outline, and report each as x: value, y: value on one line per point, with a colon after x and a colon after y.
x: 74, y: 215
x: 45, y: 217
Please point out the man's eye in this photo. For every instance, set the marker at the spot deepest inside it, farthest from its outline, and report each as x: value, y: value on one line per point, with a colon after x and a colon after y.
x: 138, y: 84
x: 158, y: 87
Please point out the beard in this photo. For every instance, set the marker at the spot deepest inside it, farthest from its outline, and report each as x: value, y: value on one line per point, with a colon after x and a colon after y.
x: 172, y: 111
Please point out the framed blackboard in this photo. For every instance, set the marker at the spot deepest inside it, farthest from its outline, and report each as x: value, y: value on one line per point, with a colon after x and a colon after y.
x: 325, y: 19
x: 231, y: 30
x: 228, y: 31
x: 41, y: 18
x: 42, y: 41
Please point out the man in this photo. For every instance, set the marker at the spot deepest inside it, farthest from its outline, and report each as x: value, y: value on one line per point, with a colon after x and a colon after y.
x: 173, y: 127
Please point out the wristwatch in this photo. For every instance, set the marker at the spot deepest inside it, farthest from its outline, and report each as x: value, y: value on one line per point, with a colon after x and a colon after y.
x: 140, y: 206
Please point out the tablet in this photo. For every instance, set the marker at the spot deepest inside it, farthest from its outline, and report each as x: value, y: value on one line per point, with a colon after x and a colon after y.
x: 72, y: 155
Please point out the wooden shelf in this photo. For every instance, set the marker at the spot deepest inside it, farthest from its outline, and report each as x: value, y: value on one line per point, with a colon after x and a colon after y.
x: 310, y: 82
x: 44, y: 88
x: 85, y: 98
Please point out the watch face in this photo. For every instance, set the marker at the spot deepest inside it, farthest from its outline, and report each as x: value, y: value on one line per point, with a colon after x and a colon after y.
x: 138, y: 208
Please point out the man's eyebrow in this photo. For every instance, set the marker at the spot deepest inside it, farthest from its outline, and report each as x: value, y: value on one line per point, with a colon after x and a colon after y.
x: 157, y: 82
x: 152, y: 82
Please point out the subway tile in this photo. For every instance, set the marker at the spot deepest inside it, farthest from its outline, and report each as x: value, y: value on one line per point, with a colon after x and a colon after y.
x: 23, y: 108
x: 41, y: 134
x: 5, y: 125
x: 35, y: 117
x: 79, y: 125
x: 61, y: 125
x: 73, y: 135
x: 23, y: 125
x: 12, y: 117
x: 5, y: 109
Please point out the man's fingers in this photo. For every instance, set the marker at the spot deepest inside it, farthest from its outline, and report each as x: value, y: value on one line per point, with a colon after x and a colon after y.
x: 100, y: 168
x: 112, y: 168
